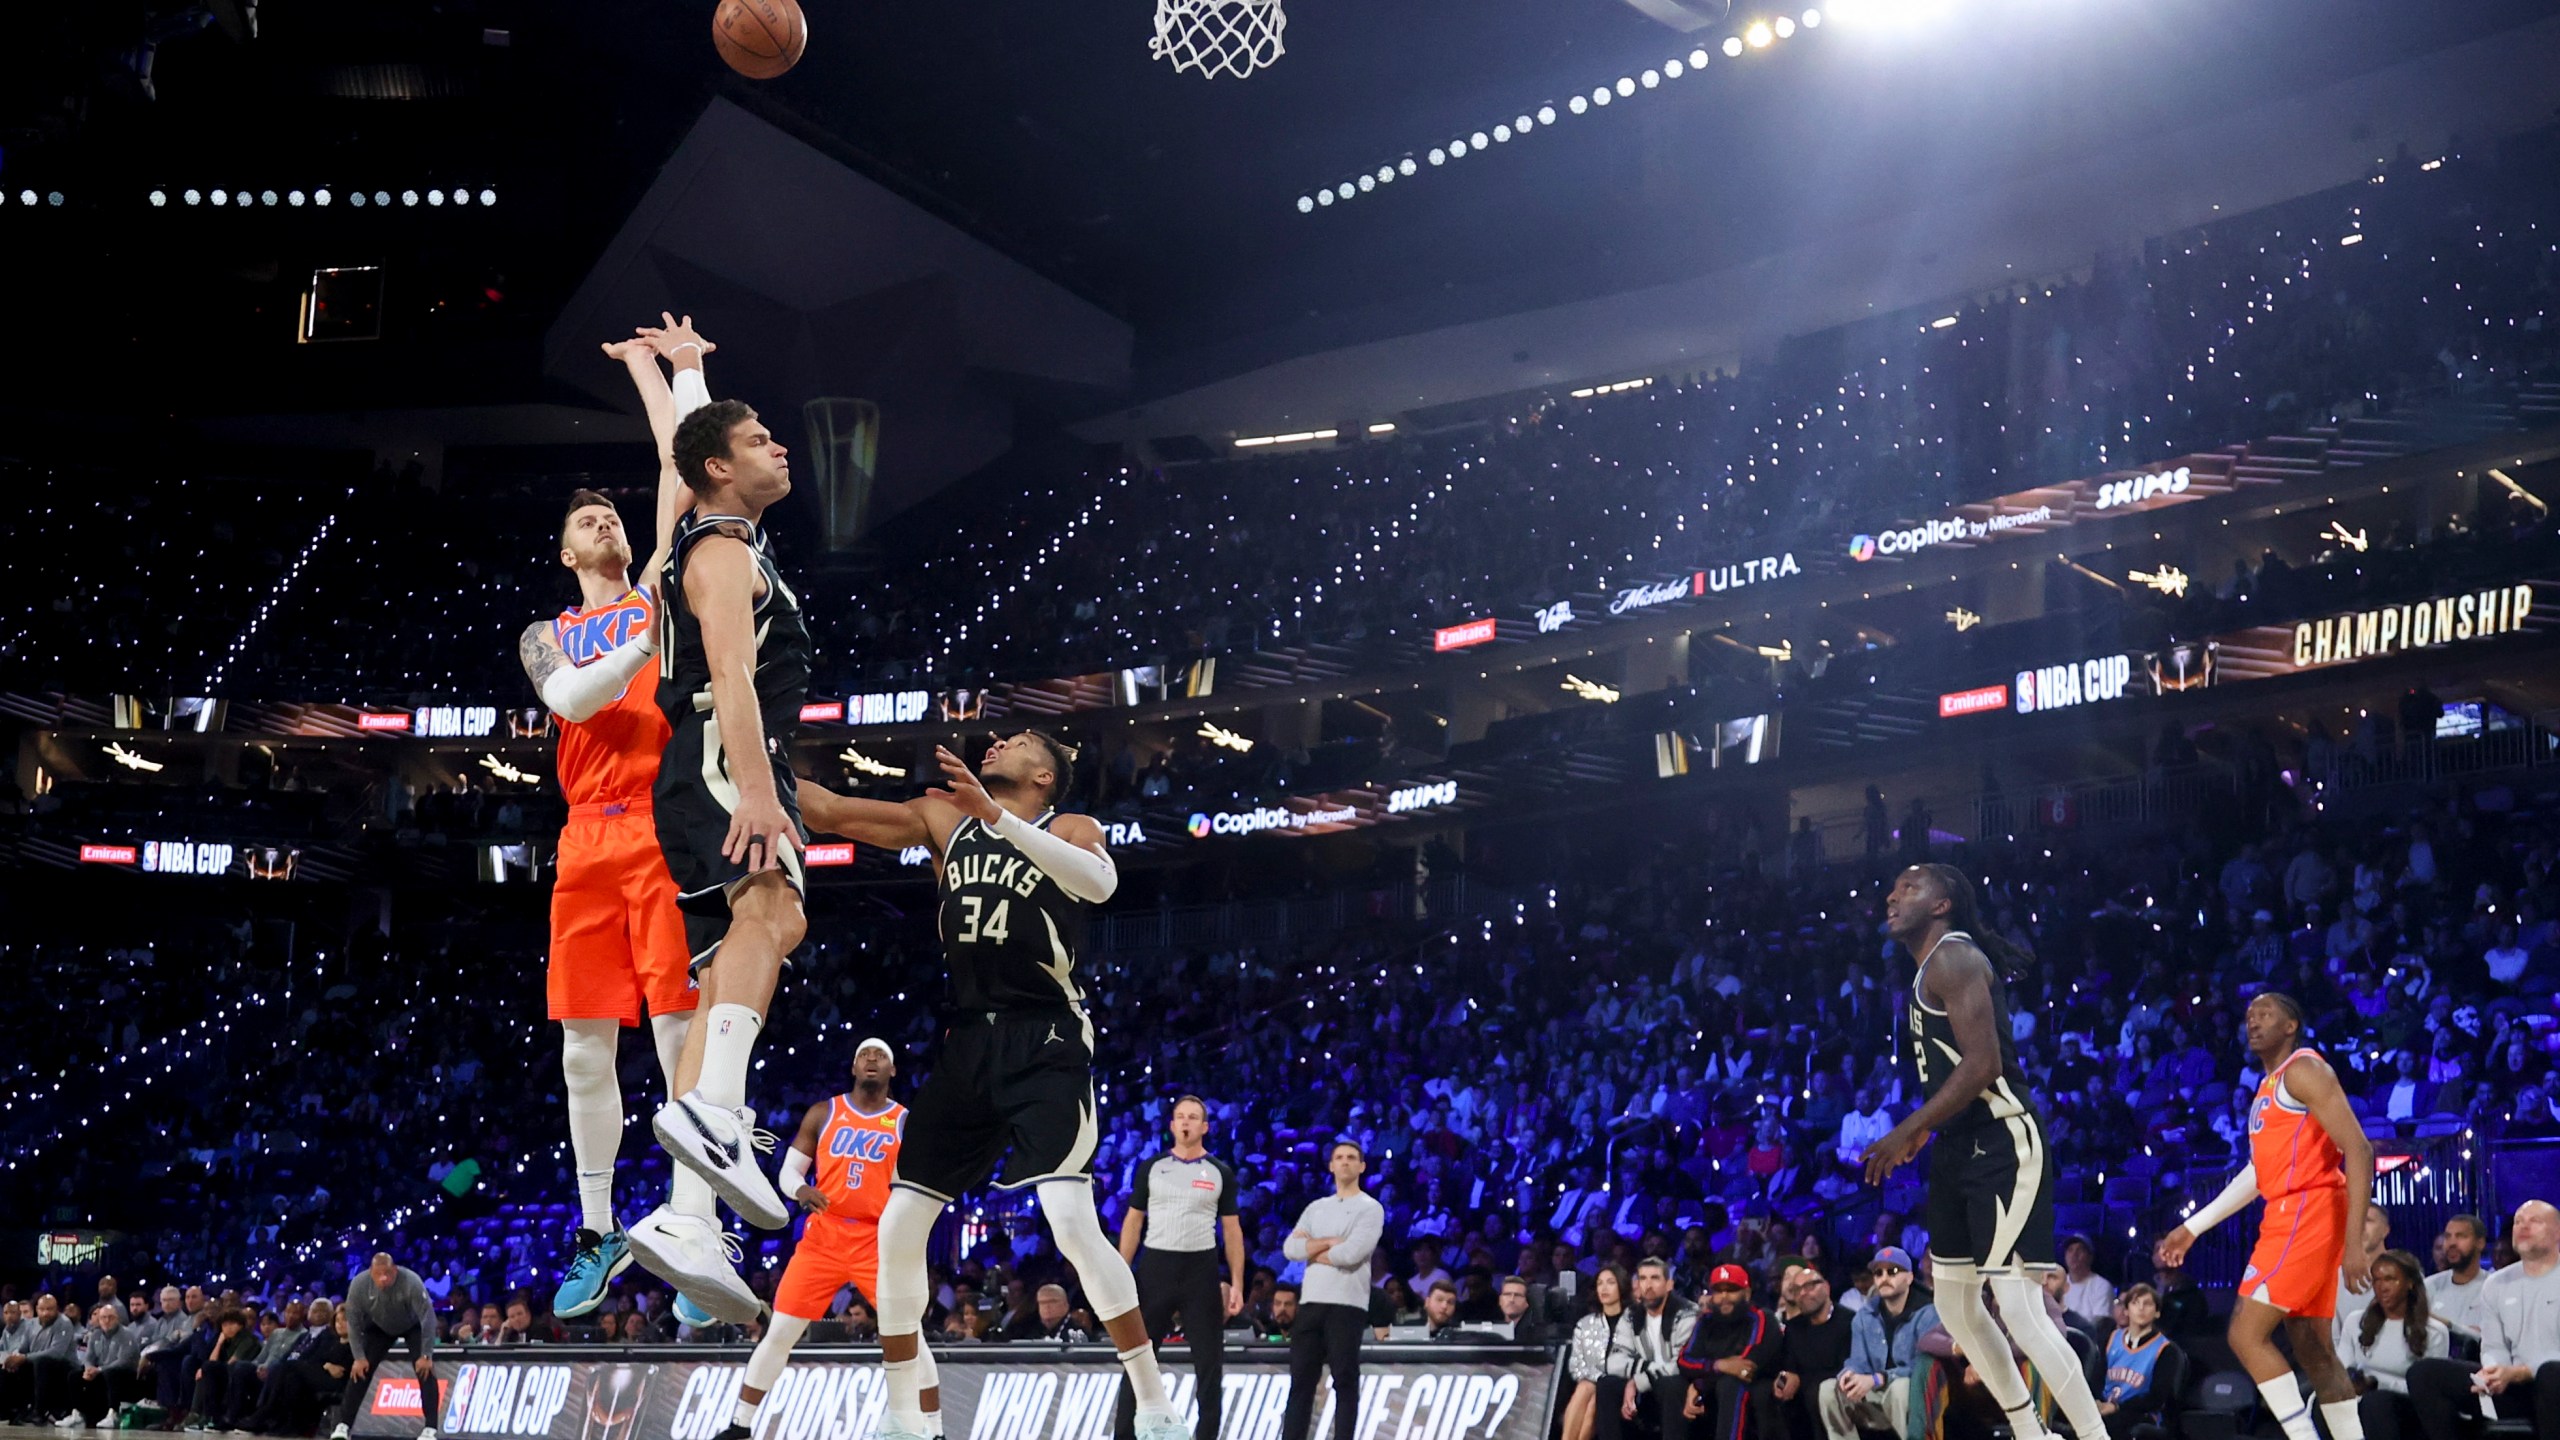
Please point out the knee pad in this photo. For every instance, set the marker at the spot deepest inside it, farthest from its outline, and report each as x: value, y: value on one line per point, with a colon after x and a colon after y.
x: 1077, y: 1227
x: 906, y: 1223
x: 774, y: 1351
x: 587, y: 1057
x: 928, y: 1374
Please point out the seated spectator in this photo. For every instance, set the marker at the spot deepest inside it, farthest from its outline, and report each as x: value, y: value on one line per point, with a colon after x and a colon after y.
x: 1730, y: 1347
x: 311, y: 1375
x: 1603, y: 1354
x: 1873, y: 1391
x: 1052, y: 1319
x: 1272, y: 1322
x: 2519, y: 1343
x: 1866, y: 1123
x: 2140, y: 1375
x: 2394, y: 1333
x: 1513, y: 1305
x: 2454, y: 1291
x: 1662, y: 1321
x: 102, y: 1374
x: 235, y: 1345
x: 165, y: 1339
x: 1440, y: 1312
x: 1812, y: 1351
x: 2086, y: 1294
x: 49, y: 1336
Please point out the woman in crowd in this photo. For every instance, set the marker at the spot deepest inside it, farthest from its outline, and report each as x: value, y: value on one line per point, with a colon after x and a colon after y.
x: 1604, y: 1348
x: 2140, y: 1373
x: 2395, y: 1332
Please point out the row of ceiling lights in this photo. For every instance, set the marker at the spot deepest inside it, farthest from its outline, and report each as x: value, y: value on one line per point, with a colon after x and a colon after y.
x: 1758, y: 35
x: 250, y: 199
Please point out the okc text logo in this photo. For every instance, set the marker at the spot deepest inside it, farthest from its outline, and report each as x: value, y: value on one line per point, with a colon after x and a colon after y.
x: 867, y: 1145
x: 591, y: 635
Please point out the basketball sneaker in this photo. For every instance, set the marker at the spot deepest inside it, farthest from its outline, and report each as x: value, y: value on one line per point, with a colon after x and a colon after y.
x: 597, y: 1259
x: 690, y: 1253
x: 721, y: 1146
x: 692, y: 1316
x: 1165, y: 1427
x: 735, y: 1431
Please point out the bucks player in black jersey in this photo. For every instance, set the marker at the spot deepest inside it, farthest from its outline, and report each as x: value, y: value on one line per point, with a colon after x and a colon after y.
x: 733, y: 667
x: 1990, y: 1206
x: 1015, y: 1076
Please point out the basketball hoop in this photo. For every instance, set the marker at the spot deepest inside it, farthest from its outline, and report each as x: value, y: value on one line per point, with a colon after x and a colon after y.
x: 1234, y: 37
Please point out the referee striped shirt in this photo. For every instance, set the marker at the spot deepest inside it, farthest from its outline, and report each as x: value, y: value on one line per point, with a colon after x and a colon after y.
x: 1183, y: 1201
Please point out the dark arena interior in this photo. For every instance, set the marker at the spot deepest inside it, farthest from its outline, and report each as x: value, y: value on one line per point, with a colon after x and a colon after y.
x: 2034, y: 910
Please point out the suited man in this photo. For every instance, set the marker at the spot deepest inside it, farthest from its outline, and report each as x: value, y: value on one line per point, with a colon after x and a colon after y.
x: 309, y: 1374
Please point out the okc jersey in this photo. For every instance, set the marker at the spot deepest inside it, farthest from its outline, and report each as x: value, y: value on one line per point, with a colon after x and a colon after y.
x: 613, y: 754
x: 857, y: 1155
x: 2288, y: 1146
x: 1010, y: 934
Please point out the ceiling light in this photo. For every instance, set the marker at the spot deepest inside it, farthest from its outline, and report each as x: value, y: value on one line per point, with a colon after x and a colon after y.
x: 1651, y: 78
x: 1813, y: 19
x: 1626, y: 86
x: 1579, y: 105
x: 294, y: 198
x: 1406, y: 166
x: 1672, y: 70
x: 382, y: 198
x: 435, y: 198
x: 408, y: 197
x: 53, y: 198
x: 1344, y: 190
x: 1501, y: 133
x: 193, y: 196
x: 221, y: 197
x: 488, y: 196
x: 461, y: 196
x: 1601, y: 96
x: 1732, y: 45
x: 1386, y: 173
x: 1382, y: 427
x: 1477, y: 140
x: 1368, y: 183
x: 159, y: 198
x: 1438, y: 155
x: 1546, y: 114
x: 1757, y: 35
x: 1521, y: 125
x: 1698, y: 59
x: 320, y: 196
x: 1306, y: 204
x: 1784, y: 26
x: 356, y: 198
x: 1324, y: 197
x: 266, y: 197
x: 1457, y: 148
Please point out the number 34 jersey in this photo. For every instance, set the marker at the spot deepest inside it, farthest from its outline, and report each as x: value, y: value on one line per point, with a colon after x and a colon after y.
x: 1010, y: 935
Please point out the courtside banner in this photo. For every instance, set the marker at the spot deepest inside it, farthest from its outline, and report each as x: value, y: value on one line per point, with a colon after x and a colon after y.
x: 988, y: 1393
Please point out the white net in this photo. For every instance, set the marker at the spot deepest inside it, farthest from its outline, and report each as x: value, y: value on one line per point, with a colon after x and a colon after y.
x: 1213, y: 37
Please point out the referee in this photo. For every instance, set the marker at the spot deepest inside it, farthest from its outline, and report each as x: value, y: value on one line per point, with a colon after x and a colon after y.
x: 1185, y: 1206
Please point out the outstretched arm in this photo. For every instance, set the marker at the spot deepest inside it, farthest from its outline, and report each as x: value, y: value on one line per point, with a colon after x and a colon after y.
x: 890, y: 824
x: 682, y: 347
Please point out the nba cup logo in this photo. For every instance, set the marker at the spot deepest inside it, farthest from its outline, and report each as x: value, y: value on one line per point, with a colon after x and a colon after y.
x: 1862, y: 547
x: 614, y: 1403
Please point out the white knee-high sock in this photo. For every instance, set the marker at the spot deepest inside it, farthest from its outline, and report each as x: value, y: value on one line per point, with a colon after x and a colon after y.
x: 1970, y: 1325
x: 2284, y: 1400
x: 906, y: 1223
x: 764, y: 1367
x: 2344, y: 1420
x: 1108, y: 1285
x: 727, y: 1049
x: 929, y: 1377
x: 687, y: 1192
x: 595, y: 1114
x: 2022, y: 1310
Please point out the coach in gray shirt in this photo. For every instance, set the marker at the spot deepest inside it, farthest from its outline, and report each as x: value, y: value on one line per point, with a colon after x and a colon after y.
x: 1184, y: 1210
x: 387, y: 1305
x: 2519, y: 1340
x: 1334, y: 1237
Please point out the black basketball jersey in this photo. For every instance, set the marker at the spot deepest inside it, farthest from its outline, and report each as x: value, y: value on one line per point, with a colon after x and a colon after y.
x: 782, y: 635
x: 1010, y: 934
x: 1935, y: 1054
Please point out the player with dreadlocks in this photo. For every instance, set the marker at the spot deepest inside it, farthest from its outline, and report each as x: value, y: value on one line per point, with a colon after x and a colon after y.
x: 1990, y: 1205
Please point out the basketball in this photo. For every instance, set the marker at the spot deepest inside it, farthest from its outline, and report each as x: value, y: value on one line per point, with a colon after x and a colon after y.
x: 760, y: 38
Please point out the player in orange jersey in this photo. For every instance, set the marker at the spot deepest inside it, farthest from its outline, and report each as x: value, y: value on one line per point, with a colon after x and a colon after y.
x: 2309, y: 1158
x: 617, y: 940
x: 839, y: 1169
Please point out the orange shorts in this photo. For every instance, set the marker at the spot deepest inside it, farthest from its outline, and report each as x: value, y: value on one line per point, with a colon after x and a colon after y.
x: 2301, y: 1243
x: 617, y: 939
x: 831, y: 1255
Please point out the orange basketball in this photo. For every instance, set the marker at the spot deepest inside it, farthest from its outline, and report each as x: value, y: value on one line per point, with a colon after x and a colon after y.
x: 760, y: 38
